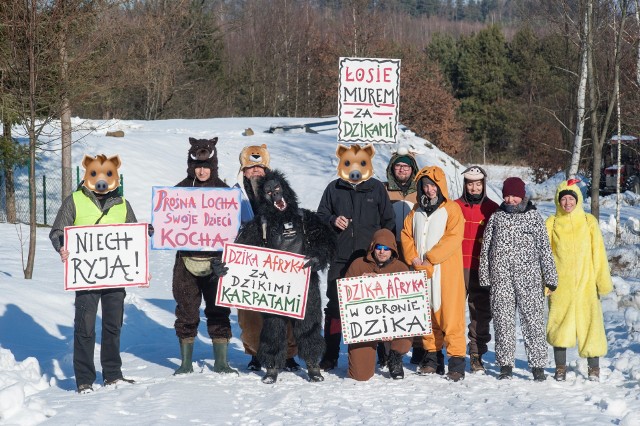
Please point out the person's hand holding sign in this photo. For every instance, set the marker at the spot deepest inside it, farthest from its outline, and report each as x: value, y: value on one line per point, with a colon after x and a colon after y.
x: 64, y: 254
x: 219, y: 267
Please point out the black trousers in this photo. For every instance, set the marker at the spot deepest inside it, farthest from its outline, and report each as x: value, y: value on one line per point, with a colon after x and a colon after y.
x: 84, y: 334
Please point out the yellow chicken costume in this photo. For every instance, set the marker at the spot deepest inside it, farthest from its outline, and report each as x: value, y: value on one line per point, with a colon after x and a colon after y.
x: 583, y: 276
x: 437, y: 237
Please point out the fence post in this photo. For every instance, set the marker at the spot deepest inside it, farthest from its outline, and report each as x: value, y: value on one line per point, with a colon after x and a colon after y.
x: 44, y: 197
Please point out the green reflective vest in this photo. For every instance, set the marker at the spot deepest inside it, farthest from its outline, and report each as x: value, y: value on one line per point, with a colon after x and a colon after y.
x: 87, y: 213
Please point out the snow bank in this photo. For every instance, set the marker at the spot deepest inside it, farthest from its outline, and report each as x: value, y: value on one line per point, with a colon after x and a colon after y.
x: 18, y: 382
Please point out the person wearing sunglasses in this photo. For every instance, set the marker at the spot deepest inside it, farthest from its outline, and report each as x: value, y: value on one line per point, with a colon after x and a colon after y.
x: 381, y: 258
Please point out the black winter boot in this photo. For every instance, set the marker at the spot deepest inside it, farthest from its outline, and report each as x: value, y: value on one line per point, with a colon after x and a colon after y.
x: 186, y: 353
x: 456, y: 368
x: 506, y: 372
x: 396, y: 370
x: 538, y: 374
x: 254, y: 364
x: 383, y: 357
x: 561, y: 373
x: 440, y: 358
x: 429, y: 364
x: 417, y: 353
x: 314, y: 374
x: 271, y: 376
x: 291, y: 365
x: 332, y: 352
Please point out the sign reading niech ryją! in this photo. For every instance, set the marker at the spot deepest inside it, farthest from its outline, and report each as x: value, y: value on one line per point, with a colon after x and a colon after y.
x: 384, y: 306
x: 194, y: 218
x: 105, y: 256
x: 369, y: 102
x: 264, y: 280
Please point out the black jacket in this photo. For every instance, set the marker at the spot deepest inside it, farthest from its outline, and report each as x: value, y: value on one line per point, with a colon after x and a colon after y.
x: 368, y: 206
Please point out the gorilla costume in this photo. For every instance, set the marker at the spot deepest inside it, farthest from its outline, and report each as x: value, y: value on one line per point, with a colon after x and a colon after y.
x: 279, y: 224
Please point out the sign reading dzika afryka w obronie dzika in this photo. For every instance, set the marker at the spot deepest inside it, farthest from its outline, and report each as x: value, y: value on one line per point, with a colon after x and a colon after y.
x: 384, y: 306
x: 369, y: 100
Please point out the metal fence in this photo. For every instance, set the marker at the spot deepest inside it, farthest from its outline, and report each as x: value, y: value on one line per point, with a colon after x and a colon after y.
x: 48, y: 195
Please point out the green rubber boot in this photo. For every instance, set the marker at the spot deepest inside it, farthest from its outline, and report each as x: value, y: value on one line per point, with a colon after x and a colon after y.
x: 220, y: 357
x: 186, y: 352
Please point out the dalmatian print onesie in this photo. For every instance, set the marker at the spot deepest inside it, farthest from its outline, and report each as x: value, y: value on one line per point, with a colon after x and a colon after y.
x: 517, y: 263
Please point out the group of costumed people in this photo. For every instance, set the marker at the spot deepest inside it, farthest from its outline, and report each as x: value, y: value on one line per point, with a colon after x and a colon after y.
x: 476, y: 254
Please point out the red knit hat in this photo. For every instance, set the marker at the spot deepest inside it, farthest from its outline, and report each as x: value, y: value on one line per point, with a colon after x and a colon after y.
x: 513, y: 186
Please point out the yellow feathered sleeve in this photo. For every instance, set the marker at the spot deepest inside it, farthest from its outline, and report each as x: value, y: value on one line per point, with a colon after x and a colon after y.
x: 600, y: 261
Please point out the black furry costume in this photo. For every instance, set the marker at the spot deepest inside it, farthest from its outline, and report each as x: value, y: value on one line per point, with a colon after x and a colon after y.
x: 296, y: 230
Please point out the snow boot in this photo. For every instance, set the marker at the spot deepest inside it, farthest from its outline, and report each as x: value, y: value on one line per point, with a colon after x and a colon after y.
x: 84, y: 389
x: 440, y: 366
x: 186, y: 353
x: 332, y: 352
x: 561, y: 373
x: 314, y: 373
x: 118, y: 380
x: 456, y: 368
x: 271, y: 376
x: 383, y: 356
x: 594, y: 374
x: 538, y: 374
x: 220, y: 357
x: 254, y: 364
x: 476, y: 365
x: 429, y: 364
x: 291, y: 365
x: 417, y: 353
x: 506, y: 372
x: 396, y: 370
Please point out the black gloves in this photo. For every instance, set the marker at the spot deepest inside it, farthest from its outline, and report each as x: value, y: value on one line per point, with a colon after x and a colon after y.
x: 219, y: 267
x: 150, y: 230
x: 313, y: 263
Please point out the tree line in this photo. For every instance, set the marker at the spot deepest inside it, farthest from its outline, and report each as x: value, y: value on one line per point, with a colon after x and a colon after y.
x: 495, y: 81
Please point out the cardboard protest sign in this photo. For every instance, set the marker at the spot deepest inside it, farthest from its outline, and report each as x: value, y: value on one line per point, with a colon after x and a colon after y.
x: 194, y: 218
x: 369, y: 100
x: 264, y: 280
x: 385, y: 306
x: 105, y: 256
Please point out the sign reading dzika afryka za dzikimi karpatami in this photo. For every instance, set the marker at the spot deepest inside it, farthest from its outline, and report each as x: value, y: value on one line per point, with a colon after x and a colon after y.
x: 264, y: 280
x: 369, y: 100
x: 105, y: 256
x: 384, y: 306
x: 194, y: 218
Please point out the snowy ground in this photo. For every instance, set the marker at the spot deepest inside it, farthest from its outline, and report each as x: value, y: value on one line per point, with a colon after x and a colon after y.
x: 36, y: 317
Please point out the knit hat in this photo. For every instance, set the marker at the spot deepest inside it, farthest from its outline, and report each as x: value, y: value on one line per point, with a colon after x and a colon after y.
x: 403, y: 159
x: 567, y: 192
x: 474, y: 173
x: 513, y: 186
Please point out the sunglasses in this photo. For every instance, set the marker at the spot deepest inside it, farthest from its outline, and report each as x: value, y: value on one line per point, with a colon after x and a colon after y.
x: 381, y: 247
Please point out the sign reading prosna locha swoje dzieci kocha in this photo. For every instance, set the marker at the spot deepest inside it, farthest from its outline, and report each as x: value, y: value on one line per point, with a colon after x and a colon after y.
x: 384, y: 306
x: 264, y: 280
x: 369, y: 100
x: 105, y: 256
x: 194, y: 219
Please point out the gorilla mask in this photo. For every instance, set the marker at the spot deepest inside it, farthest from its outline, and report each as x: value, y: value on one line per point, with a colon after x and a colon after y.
x: 273, y: 194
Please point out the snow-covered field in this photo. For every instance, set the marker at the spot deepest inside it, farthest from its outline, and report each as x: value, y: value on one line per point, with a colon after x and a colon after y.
x: 36, y: 316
